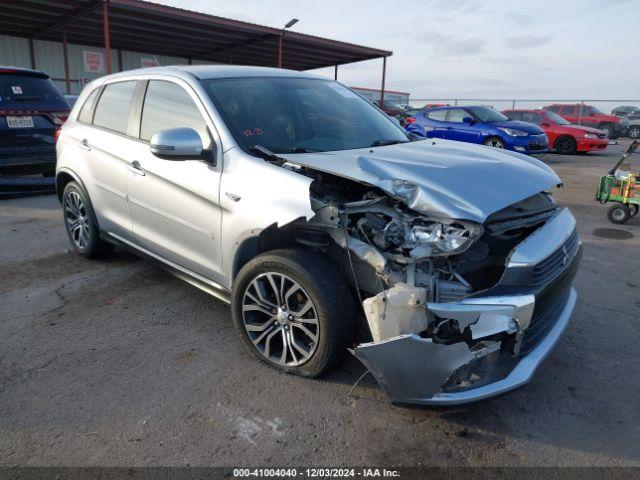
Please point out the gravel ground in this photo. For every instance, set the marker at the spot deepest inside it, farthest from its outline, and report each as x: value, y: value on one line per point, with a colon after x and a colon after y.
x: 115, y: 362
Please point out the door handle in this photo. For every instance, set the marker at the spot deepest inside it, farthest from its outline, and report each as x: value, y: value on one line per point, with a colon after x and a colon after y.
x: 136, y: 168
x: 84, y: 145
x: 233, y: 196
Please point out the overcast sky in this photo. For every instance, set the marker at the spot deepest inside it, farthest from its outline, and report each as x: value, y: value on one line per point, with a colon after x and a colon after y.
x: 471, y: 48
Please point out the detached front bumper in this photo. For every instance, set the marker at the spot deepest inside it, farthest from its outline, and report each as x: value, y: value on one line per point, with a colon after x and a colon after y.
x: 508, y: 330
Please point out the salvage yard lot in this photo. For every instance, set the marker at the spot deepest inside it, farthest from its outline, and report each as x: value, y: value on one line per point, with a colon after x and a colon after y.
x: 115, y: 362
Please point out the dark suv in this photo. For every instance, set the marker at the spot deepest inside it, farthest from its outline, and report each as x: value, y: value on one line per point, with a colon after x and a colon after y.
x: 31, y: 110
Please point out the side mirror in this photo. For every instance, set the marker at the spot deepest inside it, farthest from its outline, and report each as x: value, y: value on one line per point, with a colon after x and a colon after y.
x: 468, y: 120
x: 176, y: 144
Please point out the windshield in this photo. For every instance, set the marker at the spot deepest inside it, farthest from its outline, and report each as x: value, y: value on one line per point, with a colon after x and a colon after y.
x: 297, y: 115
x: 555, y: 118
x: 487, y: 114
x: 20, y: 91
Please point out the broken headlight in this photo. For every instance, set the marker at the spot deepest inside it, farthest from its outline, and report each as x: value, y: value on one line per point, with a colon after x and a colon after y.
x: 441, y: 238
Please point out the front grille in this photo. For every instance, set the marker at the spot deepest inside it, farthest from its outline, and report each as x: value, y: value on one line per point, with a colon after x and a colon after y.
x: 544, y: 318
x: 548, y: 269
x: 538, y: 146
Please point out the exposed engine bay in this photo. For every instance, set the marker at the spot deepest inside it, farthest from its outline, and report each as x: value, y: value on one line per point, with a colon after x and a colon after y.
x: 417, y: 278
x: 392, y: 249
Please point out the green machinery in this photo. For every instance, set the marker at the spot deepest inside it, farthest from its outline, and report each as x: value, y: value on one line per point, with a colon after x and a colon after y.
x: 622, y: 187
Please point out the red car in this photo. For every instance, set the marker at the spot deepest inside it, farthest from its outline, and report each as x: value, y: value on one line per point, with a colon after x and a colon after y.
x: 590, y: 116
x: 563, y: 136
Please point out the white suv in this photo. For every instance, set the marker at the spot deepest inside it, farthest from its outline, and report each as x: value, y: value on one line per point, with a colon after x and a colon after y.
x: 446, y: 266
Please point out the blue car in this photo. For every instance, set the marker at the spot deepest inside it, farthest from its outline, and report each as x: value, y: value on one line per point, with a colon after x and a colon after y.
x: 479, y: 124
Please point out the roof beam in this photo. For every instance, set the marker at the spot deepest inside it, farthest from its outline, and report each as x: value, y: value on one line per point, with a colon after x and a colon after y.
x: 75, y: 15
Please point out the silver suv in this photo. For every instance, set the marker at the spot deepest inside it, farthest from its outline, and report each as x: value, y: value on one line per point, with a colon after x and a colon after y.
x: 445, y: 267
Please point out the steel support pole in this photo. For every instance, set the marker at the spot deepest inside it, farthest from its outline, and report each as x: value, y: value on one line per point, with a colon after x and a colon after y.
x: 384, y: 75
x: 280, y: 37
x: 32, y: 53
x: 120, y: 60
x: 65, y: 57
x: 335, y: 73
x: 107, y: 36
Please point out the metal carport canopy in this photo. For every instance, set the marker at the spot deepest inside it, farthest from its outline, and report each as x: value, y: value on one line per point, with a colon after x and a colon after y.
x: 147, y: 27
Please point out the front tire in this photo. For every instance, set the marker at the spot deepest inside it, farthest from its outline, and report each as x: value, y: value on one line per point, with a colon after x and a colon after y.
x: 80, y: 222
x: 293, y: 311
x: 619, y: 213
x: 566, y: 145
x: 495, y: 142
x: 634, y: 132
x: 608, y: 130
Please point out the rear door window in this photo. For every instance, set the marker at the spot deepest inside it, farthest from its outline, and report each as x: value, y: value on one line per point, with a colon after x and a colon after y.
x: 168, y: 105
x: 85, y: 113
x: 569, y: 110
x: 112, y: 111
x: 438, y: 115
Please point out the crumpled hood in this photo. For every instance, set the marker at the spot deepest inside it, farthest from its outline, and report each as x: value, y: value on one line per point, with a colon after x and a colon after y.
x: 442, y: 178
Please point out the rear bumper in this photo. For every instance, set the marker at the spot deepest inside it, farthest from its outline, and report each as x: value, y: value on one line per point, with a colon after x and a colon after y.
x: 21, y: 172
x: 15, y: 186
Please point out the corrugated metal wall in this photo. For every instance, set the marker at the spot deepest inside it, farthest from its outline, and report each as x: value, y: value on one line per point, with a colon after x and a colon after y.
x: 14, y: 51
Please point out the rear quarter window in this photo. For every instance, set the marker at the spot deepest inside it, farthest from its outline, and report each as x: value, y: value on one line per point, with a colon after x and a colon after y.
x: 87, y: 108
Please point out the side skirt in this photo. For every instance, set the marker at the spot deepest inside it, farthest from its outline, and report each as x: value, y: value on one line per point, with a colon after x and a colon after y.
x: 195, y: 279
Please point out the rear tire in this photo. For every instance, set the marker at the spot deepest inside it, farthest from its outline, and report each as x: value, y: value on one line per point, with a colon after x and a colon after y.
x: 634, y: 132
x: 634, y: 209
x: 619, y: 213
x: 565, y: 145
x: 80, y: 222
x: 495, y: 142
x: 293, y: 311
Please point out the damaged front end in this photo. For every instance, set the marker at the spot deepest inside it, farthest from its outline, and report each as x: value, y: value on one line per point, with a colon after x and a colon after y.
x: 457, y: 311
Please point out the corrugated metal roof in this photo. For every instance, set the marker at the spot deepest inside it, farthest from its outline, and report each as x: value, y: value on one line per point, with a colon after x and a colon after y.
x: 160, y: 29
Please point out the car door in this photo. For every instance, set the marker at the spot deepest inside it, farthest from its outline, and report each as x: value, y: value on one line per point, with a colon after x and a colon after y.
x: 435, y: 123
x: 175, y: 204
x: 457, y: 129
x: 104, y: 146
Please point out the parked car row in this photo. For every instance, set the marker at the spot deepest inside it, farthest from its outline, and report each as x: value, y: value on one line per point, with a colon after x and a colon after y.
x: 570, y: 128
x: 567, y: 129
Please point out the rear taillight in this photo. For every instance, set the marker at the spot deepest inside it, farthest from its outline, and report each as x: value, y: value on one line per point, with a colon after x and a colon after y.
x: 56, y: 135
x: 59, y: 117
x: 409, y: 120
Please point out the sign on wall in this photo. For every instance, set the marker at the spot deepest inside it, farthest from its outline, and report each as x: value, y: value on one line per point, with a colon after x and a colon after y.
x: 149, y: 62
x: 93, y: 61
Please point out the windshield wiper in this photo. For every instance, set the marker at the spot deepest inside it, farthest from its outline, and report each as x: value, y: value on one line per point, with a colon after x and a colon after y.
x: 267, y: 154
x: 383, y: 142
